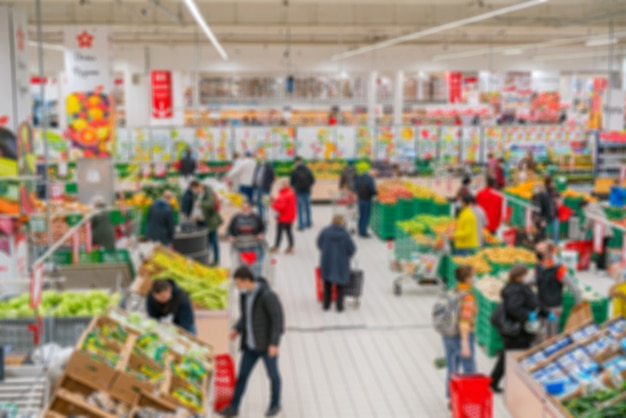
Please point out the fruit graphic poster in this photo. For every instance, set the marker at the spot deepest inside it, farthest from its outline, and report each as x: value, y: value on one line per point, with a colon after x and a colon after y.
x: 89, y: 106
x: 315, y: 143
x: 427, y: 137
x: 284, y: 143
x: 346, y: 142
x: 449, y: 144
x: 385, y: 143
x: 405, y: 142
x: 470, y: 145
x: 252, y: 139
x: 364, y: 140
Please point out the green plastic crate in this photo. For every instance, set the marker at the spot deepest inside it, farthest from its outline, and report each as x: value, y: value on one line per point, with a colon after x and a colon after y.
x: 441, y: 209
x: 71, y: 188
x: 405, y: 209
x: 383, y: 220
x: 93, y: 257
x: 599, y: 309
x: 62, y: 257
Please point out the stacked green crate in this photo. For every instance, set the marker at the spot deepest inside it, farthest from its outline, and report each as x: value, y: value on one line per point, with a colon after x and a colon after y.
x: 402, y: 245
x: 405, y: 209
x: 441, y: 209
x: 599, y: 308
x: 383, y: 220
x: 486, y: 334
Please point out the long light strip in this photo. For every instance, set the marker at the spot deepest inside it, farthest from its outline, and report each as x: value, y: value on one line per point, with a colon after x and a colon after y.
x: 574, y: 55
x: 601, y: 42
x: 193, y: 9
x: 548, y: 44
x: 438, y: 29
x: 53, y: 47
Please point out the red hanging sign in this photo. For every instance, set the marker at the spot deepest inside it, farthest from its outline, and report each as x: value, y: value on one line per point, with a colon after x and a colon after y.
x: 160, y: 170
x: 598, y: 237
x: 162, y: 95
x: 36, y: 285
x: 455, y: 81
x: 75, y: 248
x: 88, y: 237
x: 146, y: 170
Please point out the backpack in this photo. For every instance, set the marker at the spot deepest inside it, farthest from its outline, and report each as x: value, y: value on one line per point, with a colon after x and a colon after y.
x: 364, y: 190
x: 446, y: 313
x: 301, y: 180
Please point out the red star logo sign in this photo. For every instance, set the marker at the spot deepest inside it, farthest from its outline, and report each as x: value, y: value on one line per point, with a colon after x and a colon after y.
x: 85, y: 39
x: 20, y: 38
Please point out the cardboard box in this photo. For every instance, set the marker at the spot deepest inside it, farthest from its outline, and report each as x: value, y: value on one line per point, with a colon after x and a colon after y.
x: 65, y: 404
x: 147, y: 400
x: 81, y: 387
x: 128, y: 386
x: 176, y: 383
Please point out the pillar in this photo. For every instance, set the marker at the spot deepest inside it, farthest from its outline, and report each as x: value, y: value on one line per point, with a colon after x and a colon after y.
x: 398, y: 99
x: 137, y: 91
x: 372, y: 90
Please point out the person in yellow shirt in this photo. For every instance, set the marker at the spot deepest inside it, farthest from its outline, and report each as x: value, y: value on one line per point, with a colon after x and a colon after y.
x: 466, y: 234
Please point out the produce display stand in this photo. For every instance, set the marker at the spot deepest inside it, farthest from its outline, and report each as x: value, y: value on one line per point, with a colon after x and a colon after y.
x: 24, y: 392
x: 590, y: 358
x: 112, y: 356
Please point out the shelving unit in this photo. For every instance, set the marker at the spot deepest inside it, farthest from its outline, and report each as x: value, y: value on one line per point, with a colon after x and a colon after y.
x: 610, y: 157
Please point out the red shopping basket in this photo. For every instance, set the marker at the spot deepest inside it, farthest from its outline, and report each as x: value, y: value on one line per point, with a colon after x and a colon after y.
x: 319, y: 287
x: 224, y: 381
x: 471, y: 396
x: 584, y: 250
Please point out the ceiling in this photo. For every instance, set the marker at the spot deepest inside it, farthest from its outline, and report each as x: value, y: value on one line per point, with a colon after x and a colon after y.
x: 344, y: 23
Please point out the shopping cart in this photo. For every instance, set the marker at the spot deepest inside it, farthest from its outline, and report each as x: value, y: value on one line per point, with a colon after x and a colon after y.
x: 344, y: 203
x: 254, y: 253
x: 471, y: 397
x: 420, y: 267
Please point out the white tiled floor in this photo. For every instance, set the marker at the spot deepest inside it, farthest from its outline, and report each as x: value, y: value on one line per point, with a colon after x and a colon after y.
x: 374, y: 361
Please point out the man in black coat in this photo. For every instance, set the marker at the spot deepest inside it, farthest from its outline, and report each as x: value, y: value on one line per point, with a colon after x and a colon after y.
x: 302, y: 180
x: 160, y: 224
x: 365, y: 187
x: 187, y: 164
x: 260, y: 326
x: 263, y: 181
x: 166, y: 299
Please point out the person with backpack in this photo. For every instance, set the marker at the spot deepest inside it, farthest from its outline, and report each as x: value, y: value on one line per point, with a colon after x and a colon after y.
x: 201, y: 204
x: 518, y: 301
x: 187, y: 165
x: 302, y: 180
x: 348, y: 177
x: 263, y: 181
x: 454, y: 317
x: 365, y: 187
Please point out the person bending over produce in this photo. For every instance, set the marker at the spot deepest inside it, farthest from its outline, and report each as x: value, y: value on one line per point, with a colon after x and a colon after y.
x: 166, y: 299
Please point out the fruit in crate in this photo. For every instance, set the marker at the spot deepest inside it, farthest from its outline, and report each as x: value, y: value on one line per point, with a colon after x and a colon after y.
x: 422, y: 239
x: 489, y: 237
x: 523, y: 190
x: 576, y: 195
x: 65, y: 304
x: 491, y: 287
x: 413, y: 226
x: 478, y: 263
x: 68, y: 204
x: 509, y: 255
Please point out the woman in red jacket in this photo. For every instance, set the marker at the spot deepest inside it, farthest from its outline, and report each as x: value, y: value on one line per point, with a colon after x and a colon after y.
x: 285, y: 207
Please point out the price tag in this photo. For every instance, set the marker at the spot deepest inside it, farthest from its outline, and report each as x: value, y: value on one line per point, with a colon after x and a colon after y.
x: 146, y: 170
x: 36, y: 285
x: 159, y: 170
x: 528, y: 219
x: 62, y: 169
x: 88, y: 232
x: 56, y: 191
x: 598, y: 237
x: 75, y: 248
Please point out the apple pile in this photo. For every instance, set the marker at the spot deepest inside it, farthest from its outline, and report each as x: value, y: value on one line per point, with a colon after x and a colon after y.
x: 61, y: 304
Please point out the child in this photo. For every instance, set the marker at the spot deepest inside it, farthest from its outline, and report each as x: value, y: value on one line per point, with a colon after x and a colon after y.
x: 460, y: 348
x: 285, y: 207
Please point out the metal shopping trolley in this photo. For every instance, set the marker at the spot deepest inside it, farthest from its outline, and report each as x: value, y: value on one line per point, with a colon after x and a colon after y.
x: 344, y: 203
x: 254, y: 253
x: 419, y: 266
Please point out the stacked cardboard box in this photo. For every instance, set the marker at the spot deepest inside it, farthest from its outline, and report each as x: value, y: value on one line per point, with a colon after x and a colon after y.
x: 125, y: 366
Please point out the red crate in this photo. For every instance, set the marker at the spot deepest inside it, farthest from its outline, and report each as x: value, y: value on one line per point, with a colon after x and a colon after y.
x: 584, y: 250
x: 319, y: 286
x: 471, y: 396
x: 225, y: 381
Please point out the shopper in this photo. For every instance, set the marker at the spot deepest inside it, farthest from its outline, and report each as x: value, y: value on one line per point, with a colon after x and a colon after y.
x: 201, y: 204
x: 594, y: 213
x: 187, y: 166
x: 102, y: 230
x: 365, y: 186
x: 550, y: 276
x: 263, y: 182
x: 160, y: 220
x: 285, y: 206
x: 464, y: 190
x: 518, y: 301
x: 260, y: 326
x: 460, y: 348
x: 167, y: 301
x: 491, y: 202
x: 500, y: 174
x: 617, y: 194
x: 242, y: 173
x: 302, y: 180
x: 553, y: 194
x: 246, y: 224
x: 543, y: 210
x: 348, y: 177
x: 528, y: 163
x: 336, y: 249
x: 481, y: 221
x: 466, y: 234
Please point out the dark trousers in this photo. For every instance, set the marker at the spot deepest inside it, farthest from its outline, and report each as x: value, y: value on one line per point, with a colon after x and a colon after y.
x: 247, y: 191
x: 215, y: 245
x: 328, y: 292
x: 365, y: 208
x: 603, y: 257
x: 287, y: 227
x: 303, y: 200
x: 509, y: 343
x: 248, y: 361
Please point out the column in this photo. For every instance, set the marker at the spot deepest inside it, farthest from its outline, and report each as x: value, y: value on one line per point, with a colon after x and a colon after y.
x: 398, y: 99
x: 372, y: 90
x: 137, y: 91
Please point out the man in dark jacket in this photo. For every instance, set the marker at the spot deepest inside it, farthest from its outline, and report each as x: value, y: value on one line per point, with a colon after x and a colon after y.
x: 348, y: 177
x: 263, y: 181
x: 246, y: 224
x: 160, y: 220
x: 167, y: 299
x: 366, y: 190
x: 187, y: 164
x: 102, y: 230
x: 544, y: 211
x: 302, y: 180
x: 199, y: 204
x: 260, y: 326
x: 336, y: 248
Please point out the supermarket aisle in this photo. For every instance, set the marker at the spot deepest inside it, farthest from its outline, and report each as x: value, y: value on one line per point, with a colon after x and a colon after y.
x: 375, y: 361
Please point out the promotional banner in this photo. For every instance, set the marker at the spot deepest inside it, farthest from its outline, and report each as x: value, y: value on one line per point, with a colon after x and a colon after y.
x: 455, y: 80
x: 162, y: 107
x: 89, y: 102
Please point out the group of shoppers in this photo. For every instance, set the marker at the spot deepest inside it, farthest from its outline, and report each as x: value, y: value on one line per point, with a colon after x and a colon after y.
x: 546, y: 201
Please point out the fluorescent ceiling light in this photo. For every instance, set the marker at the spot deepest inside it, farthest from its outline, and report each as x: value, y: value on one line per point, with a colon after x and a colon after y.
x: 512, y: 51
x: 548, y: 44
x: 601, y: 42
x: 193, y: 9
x: 574, y: 55
x: 47, y: 46
x: 438, y: 29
